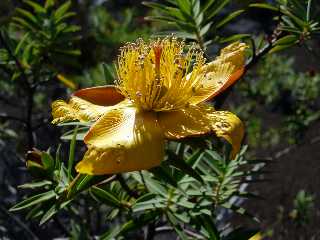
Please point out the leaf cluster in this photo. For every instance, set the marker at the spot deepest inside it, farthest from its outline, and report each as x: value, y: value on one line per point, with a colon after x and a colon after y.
x: 185, y: 194
x: 45, y: 31
x: 194, y: 19
x: 299, y: 20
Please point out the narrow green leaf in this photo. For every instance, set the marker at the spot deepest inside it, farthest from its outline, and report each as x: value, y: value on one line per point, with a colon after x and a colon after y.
x: 183, y: 166
x: 62, y: 10
x: 21, y: 43
x: 35, y: 184
x: 264, y: 5
x: 72, y: 150
x: 218, y: 8
x: 229, y: 18
x: 28, y: 15
x: 209, y: 226
x: 34, y: 200
x: 133, y: 224
x: 106, y: 196
x: 47, y: 161
x: 289, y: 39
x: 37, y: 7
x: 177, y: 227
x: 52, y: 211
x: 23, y: 23
x: 153, y: 184
x: 235, y: 38
x: 308, y: 10
x: 280, y: 48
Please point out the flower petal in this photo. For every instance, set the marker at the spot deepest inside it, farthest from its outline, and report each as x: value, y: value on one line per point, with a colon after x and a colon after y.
x: 123, y: 140
x: 200, y: 120
x: 79, y: 109
x: 103, y: 95
x: 221, y: 73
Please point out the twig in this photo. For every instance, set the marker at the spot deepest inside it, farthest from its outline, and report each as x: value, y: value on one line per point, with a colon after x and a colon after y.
x: 189, y: 232
x: 29, y: 90
x: 108, y: 180
x: 7, y: 117
x: 289, y: 149
x: 125, y: 186
x: 18, y: 221
x: 249, y: 64
x: 61, y: 226
x: 151, y: 231
x: 18, y: 64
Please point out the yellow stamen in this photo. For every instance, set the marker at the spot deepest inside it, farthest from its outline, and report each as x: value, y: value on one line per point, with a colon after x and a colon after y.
x: 154, y: 76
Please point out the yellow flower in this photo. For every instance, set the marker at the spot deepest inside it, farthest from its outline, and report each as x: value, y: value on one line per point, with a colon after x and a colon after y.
x: 159, y: 95
x: 257, y: 236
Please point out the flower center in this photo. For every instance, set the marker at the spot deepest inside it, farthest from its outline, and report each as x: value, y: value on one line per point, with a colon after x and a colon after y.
x: 154, y: 76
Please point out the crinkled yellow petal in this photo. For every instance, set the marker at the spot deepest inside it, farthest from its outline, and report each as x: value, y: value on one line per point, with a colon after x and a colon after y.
x: 75, y: 109
x: 87, y: 104
x: 123, y: 140
x: 200, y: 120
x: 220, y: 73
x: 79, y: 109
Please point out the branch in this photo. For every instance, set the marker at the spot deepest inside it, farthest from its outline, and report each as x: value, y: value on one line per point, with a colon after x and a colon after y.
x: 7, y: 117
x: 18, y: 222
x: 249, y: 64
x: 16, y: 60
x: 125, y: 186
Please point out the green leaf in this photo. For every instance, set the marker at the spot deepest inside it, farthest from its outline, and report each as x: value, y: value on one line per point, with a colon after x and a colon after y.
x: 308, y: 10
x: 235, y: 38
x: 22, y: 41
x: 37, y: 7
x: 23, y: 23
x: 154, y: 185
x: 264, y: 5
x: 109, y: 73
x: 152, y: 204
x: 133, y: 224
x: 47, y: 161
x: 205, y: 29
x: 72, y: 150
x: 106, y: 196
x: 52, y: 211
x: 209, y: 226
x: 74, y: 52
x: 28, y: 15
x: 177, y: 227
x: 82, y: 182
x: 280, y: 48
x: 289, y: 39
x: 49, y: 4
x: 175, y: 161
x: 163, y: 173
x: 34, y: 200
x: 62, y: 10
x: 35, y: 184
x: 229, y: 18
x: 217, y: 8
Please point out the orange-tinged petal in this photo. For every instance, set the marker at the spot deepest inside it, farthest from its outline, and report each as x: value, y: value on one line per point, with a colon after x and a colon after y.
x: 221, y: 73
x: 103, y: 95
x: 212, y: 83
x: 201, y: 120
x: 123, y: 140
